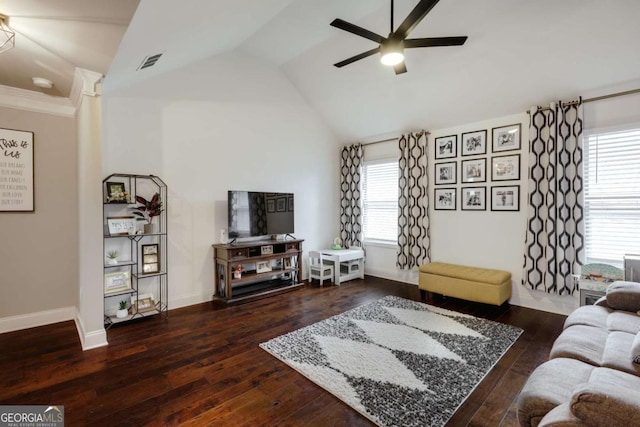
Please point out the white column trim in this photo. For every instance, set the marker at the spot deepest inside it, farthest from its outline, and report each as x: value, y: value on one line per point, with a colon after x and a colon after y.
x: 84, y: 83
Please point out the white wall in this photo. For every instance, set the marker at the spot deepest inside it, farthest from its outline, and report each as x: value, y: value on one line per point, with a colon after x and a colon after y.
x: 245, y: 129
x: 476, y: 238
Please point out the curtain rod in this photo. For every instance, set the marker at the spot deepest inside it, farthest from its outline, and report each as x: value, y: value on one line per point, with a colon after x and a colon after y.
x: 389, y: 139
x: 597, y: 98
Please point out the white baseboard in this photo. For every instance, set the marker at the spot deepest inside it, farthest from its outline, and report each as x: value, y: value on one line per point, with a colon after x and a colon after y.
x: 187, y: 300
x: 92, y: 339
x: 410, y: 277
x: 32, y: 320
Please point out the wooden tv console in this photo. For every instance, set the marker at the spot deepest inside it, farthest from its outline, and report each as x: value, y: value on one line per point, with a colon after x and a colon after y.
x: 268, y: 267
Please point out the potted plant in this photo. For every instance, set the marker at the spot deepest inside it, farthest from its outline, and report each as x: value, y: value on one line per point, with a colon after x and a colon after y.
x: 122, y: 312
x: 112, y: 257
x: 148, y: 210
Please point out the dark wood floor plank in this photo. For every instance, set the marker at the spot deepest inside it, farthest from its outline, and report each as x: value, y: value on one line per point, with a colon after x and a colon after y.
x: 203, y: 366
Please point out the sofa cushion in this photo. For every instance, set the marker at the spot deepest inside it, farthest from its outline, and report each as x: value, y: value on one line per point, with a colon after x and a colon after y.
x: 589, y: 315
x: 617, y: 353
x: 610, y: 398
x: 623, y: 321
x: 475, y: 274
x: 581, y: 342
x: 550, y: 385
x: 624, y: 296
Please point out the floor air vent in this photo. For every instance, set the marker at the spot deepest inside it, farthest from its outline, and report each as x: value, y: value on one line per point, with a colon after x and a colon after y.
x: 149, y: 61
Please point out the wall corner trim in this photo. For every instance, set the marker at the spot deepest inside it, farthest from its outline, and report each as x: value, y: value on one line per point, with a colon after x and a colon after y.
x: 91, y: 339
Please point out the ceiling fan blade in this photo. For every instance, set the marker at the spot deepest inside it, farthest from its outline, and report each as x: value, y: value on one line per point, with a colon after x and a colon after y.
x: 359, y: 31
x: 435, y: 41
x: 400, y: 68
x: 357, y: 57
x: 414, y: 18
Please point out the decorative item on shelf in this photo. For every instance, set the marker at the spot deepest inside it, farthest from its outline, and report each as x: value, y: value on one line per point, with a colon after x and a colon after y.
x: 117, y: 282
x: 336, y: 243
x: 237, y: 272
x: 112, y: 258
x: 148, y: 210
x: 142, y: 303
x: 117, y: 193
x: 263, y: 266
x: 121, y: 225
x: 122, y: 311
x: 150, y: 261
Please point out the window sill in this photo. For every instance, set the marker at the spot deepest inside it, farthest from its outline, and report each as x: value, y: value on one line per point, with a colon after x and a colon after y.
x: 380, y: 243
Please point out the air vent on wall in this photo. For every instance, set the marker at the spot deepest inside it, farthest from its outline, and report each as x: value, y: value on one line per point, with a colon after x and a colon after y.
x: 149, y: 61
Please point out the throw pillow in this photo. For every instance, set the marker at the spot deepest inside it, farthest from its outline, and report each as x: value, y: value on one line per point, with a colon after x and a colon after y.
x: 635, y: 349
x: 606, y: 405
x: 624, y: 296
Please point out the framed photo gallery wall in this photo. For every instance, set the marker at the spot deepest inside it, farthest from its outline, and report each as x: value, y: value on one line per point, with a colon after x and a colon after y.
x: 479, y: 157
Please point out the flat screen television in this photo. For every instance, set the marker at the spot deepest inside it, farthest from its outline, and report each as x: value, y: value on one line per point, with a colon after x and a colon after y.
x: 254, y: 213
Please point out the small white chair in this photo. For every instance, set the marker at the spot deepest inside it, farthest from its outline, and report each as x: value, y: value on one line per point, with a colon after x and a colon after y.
x: 318, y: 269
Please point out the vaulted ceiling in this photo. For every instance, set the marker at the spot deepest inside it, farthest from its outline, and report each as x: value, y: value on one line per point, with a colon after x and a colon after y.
x: 519, y: 52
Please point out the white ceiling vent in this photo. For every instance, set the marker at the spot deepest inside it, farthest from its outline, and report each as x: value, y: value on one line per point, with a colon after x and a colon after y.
x: 149, y: 61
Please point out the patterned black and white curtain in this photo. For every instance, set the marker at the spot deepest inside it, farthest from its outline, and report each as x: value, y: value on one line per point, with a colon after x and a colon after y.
x: 414, y: 240
x: 350, y: 210
x: 554, y: 247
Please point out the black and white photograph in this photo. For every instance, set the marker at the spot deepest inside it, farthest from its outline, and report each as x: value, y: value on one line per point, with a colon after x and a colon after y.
x: 446, y: 147
x: 281, y: 204
x: 473, y: 199
x: 474, y: 170
x: 505, y: 168
x: 271, y: 205
x: 445, y: 173
x: 505, y: 198
x: 506, y: 138
x: 445, y: 199
x: 150, y: 260
x: 263, y: 266
x: 474, y: 143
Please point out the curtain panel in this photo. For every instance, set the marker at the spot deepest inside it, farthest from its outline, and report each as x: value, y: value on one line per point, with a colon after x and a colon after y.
x: 554, y: 244
x: 350, y: 207
x: 414, y: 240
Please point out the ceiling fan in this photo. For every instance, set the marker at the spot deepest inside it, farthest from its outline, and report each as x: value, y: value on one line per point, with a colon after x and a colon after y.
x: 392, y: 47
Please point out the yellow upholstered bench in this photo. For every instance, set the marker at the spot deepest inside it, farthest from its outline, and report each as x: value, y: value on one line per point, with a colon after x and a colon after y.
x: 469, y: 283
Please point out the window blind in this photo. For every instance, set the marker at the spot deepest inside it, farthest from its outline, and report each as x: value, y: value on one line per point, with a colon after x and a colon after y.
x: 612, y: 195
x: 380, y: 200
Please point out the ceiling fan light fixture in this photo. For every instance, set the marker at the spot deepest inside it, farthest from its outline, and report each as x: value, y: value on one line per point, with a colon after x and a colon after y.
x: 7, y: 35
x: 391, y: 52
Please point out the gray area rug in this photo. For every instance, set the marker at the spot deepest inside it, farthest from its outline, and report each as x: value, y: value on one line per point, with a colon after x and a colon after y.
x: 397, y: 362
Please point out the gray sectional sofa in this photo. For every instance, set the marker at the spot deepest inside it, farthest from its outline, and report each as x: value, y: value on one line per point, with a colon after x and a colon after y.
x: 592, y: 377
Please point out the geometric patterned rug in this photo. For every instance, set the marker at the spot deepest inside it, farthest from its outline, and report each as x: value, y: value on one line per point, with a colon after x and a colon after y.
x: 397, y: 362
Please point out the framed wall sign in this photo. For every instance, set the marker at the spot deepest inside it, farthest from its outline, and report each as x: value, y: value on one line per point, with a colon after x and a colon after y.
x: 16, y: 171
x: 474, y: 143
x: 150, y: 260
x: 445, y: 199
x: 506, y: 138
x: 474, y: 170
x: 505, y: 198
x: 505, y: 168
x: 446, y: 147
x: 445, y: 173
x: 473, y: 198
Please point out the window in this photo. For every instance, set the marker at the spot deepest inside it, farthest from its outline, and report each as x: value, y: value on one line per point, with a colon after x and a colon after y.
x: 380, y: 201
x: 612, y: 194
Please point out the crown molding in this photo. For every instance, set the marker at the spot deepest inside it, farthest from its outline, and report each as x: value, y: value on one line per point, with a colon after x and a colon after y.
x: 28, y: 100
x: 85, y: 82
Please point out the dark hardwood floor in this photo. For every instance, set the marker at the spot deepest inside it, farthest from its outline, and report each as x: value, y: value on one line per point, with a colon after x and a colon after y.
x: 204, y: 367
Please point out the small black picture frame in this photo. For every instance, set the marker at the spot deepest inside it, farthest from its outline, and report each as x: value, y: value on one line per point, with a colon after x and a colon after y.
x: 474, y: 143
x: 281, y: 204
x: 444, y: 199
x: 473, y: 198
x: 150, y: 259
x: 114, y: 188
x: 446, y: 147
